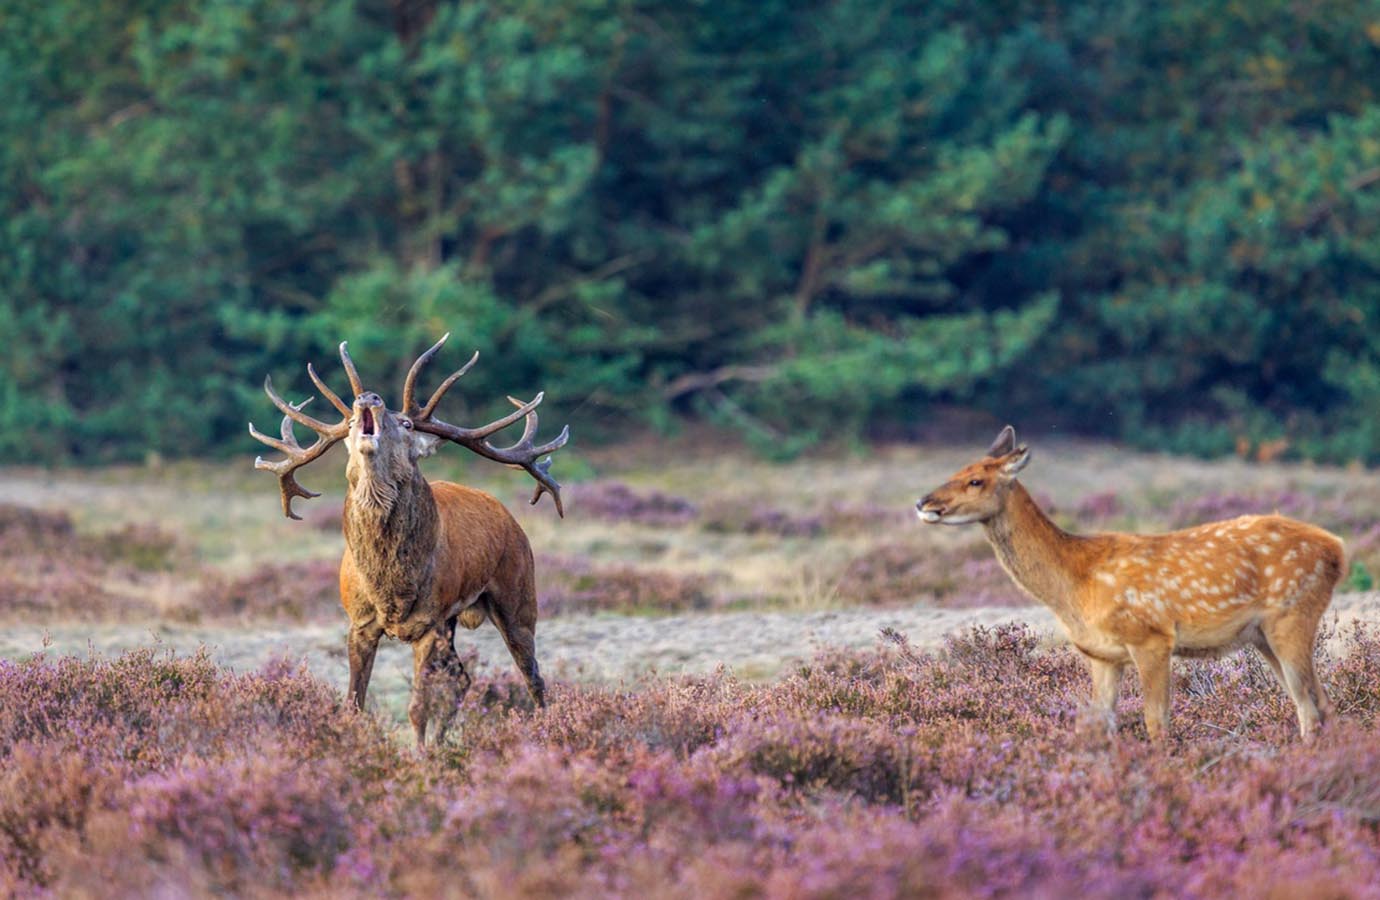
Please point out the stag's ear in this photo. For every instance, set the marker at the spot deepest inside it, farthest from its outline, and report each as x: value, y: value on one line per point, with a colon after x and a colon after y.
x: 1004, y: 444
x: 1015, y: 461
x: 423, y: 444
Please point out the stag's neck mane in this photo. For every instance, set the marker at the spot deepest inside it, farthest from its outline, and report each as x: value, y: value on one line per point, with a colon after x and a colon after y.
x: 1046, y: 561
x: 391, y: 527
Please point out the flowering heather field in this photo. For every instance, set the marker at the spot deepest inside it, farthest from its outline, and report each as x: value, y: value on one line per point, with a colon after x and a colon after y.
x: 878, y: 774
x: 967, y: 771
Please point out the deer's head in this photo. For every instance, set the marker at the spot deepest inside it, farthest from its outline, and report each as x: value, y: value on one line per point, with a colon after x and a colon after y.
x: 378, y: 436
x: 976, y: 492
x: 384, y: 448
x: 385, y: 445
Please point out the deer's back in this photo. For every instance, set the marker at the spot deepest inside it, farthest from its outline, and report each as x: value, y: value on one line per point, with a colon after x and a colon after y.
x: 1215, y: 575
x: 479, y: 541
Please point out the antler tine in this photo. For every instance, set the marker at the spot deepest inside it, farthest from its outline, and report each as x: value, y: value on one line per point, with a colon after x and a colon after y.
x: 445, y: 386
x: 295, y: 412
x: 295, y: 455
x: 409, y: 384
x: 521, y: 455
x: 355, y: 384
x: 329, y: 394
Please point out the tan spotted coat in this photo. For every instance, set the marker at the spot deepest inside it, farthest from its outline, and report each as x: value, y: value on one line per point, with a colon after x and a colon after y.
x: 1262, y: 581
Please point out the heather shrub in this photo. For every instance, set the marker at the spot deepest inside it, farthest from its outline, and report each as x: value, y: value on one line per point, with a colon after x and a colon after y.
x: 250, y: 823
x: 29, y: 527
x: 731, y: 516
x: 27, y: 530
x: 48, y: 570
x: 615, y: 501
x: 867, y: 518
x: 297, y: 591
x: 891, y: 772
x: 901, y: 572
x: 568, y: 585
x: 1348, y: 512
x: 145, y: 547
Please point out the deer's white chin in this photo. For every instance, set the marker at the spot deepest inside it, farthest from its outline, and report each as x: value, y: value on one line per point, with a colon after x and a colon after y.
x: 927, y: 516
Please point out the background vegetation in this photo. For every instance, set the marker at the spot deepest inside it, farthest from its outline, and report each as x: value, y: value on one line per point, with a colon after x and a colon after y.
x: 1159, y: 221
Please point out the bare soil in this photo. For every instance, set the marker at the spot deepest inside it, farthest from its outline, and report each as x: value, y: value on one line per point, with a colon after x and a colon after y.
x: 603, y: 647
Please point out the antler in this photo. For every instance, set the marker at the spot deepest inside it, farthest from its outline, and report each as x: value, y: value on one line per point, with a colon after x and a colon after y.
x: 521, y: 455
x: 296, y: 455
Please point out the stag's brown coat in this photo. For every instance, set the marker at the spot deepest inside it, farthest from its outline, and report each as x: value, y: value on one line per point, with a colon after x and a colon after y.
x: 421, y: 557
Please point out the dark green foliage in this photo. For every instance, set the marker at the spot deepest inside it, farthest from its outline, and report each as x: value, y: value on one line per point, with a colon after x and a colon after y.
x: 1157, y: 220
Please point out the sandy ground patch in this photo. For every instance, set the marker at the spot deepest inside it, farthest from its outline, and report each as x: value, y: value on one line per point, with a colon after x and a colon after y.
x: 600, y: 648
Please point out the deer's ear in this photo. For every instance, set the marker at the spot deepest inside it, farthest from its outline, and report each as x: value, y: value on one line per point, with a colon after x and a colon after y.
x: 1004, y: 444
x: 423, y: 444
x: 1015, y: 461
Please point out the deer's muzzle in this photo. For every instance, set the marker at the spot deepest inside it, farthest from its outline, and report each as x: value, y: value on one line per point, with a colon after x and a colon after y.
x: 929, y: 510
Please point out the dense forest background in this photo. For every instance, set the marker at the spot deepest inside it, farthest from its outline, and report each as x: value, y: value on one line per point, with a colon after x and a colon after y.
x: 1151, y: 219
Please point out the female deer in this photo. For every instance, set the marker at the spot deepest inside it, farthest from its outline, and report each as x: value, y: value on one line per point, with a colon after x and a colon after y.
x: 422, y: 556
x: 1202, y: 591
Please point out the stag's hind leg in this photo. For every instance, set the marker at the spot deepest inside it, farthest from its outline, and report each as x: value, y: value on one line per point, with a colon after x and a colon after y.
x: 513, y: 610
x: 520, y: 634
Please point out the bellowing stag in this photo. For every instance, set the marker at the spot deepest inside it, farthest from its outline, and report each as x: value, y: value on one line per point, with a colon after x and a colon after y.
x: 421, y: 557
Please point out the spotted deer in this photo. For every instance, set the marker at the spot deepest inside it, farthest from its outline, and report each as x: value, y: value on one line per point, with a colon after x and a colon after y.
x: 421, y: 557
x: 1203, y: 591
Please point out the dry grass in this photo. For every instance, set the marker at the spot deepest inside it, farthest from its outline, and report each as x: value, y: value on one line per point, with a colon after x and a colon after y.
x: 206, y: 542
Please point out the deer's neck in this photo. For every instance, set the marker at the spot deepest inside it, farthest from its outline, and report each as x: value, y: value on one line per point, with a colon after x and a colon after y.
x: 391, y: 529
x: 1038, y: 555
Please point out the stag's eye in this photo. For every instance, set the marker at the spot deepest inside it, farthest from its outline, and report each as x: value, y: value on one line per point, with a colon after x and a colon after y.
x: 976, y: 482
x: 406, y: 424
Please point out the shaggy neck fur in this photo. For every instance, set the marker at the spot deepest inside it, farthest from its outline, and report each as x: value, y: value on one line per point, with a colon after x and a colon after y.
x: 391, y: 526
x: 1037, y: 554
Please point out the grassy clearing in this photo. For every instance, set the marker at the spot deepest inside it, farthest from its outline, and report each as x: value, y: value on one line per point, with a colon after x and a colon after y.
x: 205, y: 542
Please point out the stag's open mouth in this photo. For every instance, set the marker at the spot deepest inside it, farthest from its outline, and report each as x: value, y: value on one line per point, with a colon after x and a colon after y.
x: 366, y: 421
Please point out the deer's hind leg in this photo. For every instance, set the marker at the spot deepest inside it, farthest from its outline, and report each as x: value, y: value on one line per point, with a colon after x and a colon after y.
x: 1290, y: 640
x: 513, y: 610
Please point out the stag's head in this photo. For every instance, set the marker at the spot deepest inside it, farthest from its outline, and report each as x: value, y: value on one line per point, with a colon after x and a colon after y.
x: 976, y: 492
x: 384, y: 448
x: 384, y: 445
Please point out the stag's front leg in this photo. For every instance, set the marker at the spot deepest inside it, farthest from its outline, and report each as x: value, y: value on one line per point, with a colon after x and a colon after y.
x: 362, y: 644
x: 439, y: 682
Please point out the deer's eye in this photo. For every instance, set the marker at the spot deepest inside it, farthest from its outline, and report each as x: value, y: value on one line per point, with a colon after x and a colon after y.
x: 976, y: 482
x: 406, y: 424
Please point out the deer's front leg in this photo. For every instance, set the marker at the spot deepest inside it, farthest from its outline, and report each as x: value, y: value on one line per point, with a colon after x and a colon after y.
x: 362, y: 644
x: 1106, y: 679
x: 1152, y: 663
x: 439, y: 682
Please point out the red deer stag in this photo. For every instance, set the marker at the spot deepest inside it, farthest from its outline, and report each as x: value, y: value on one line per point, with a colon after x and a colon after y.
x: 1202, y: 591
x: 422, y: 556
